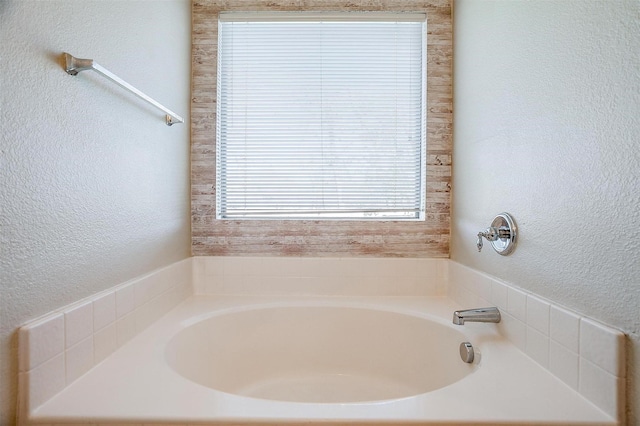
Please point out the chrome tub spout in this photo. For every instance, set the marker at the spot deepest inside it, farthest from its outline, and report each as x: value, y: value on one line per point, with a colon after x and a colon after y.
x: 476, y: 315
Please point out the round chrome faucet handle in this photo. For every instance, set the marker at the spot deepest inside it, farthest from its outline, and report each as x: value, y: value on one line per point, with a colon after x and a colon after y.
x: 501, y: 234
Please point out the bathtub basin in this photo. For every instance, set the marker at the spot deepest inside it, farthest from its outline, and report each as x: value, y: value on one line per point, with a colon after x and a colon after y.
x: 317, y: 360
x: 319, y: 354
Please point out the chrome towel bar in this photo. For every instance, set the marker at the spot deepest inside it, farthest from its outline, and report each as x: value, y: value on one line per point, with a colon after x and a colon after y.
x: 75, y: 65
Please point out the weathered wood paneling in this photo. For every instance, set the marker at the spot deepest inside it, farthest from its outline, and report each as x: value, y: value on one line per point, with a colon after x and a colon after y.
x: 321, y: 238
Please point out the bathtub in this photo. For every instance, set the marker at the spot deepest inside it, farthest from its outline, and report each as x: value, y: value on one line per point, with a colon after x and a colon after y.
x: 318, y: 354
x: 317, y: 360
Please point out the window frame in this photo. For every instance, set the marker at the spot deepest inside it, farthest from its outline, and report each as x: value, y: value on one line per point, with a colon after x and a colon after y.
x: 227, y: 132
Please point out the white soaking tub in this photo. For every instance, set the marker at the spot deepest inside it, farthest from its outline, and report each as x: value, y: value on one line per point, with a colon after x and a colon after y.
x: 314, y: 360
x: 319, y: 354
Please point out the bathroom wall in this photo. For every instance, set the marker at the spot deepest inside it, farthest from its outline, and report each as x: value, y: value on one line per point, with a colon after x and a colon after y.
x: 95, y: 187
x: 546, y: 101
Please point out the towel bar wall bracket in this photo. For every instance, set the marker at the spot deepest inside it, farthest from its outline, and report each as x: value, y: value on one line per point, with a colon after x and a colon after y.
x: 75, y: 65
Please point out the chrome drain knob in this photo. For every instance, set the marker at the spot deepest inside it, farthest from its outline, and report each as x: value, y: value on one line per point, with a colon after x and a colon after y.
x: 466, y: 352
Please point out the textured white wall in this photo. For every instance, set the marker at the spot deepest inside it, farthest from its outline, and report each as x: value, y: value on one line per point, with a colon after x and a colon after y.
x: 94, y: 184
x: 547, y: 118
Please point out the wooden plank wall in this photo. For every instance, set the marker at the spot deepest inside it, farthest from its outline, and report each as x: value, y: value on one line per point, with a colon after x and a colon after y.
x: 321, y: 238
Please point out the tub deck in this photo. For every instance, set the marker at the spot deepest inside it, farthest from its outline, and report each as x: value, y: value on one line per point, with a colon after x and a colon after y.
x: 135, y: 384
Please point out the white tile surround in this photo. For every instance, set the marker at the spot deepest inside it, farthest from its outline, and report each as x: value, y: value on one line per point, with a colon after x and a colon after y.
x: 585, y: 354
x: 58, y: 348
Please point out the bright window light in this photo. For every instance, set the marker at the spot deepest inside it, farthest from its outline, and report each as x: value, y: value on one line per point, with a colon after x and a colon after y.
x: 321, y: 117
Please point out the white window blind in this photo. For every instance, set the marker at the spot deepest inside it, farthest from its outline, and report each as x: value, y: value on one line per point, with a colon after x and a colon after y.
x: 321, y: 117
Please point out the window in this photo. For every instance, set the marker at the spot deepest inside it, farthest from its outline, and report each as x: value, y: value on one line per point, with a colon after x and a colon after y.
x: 321, y: 116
